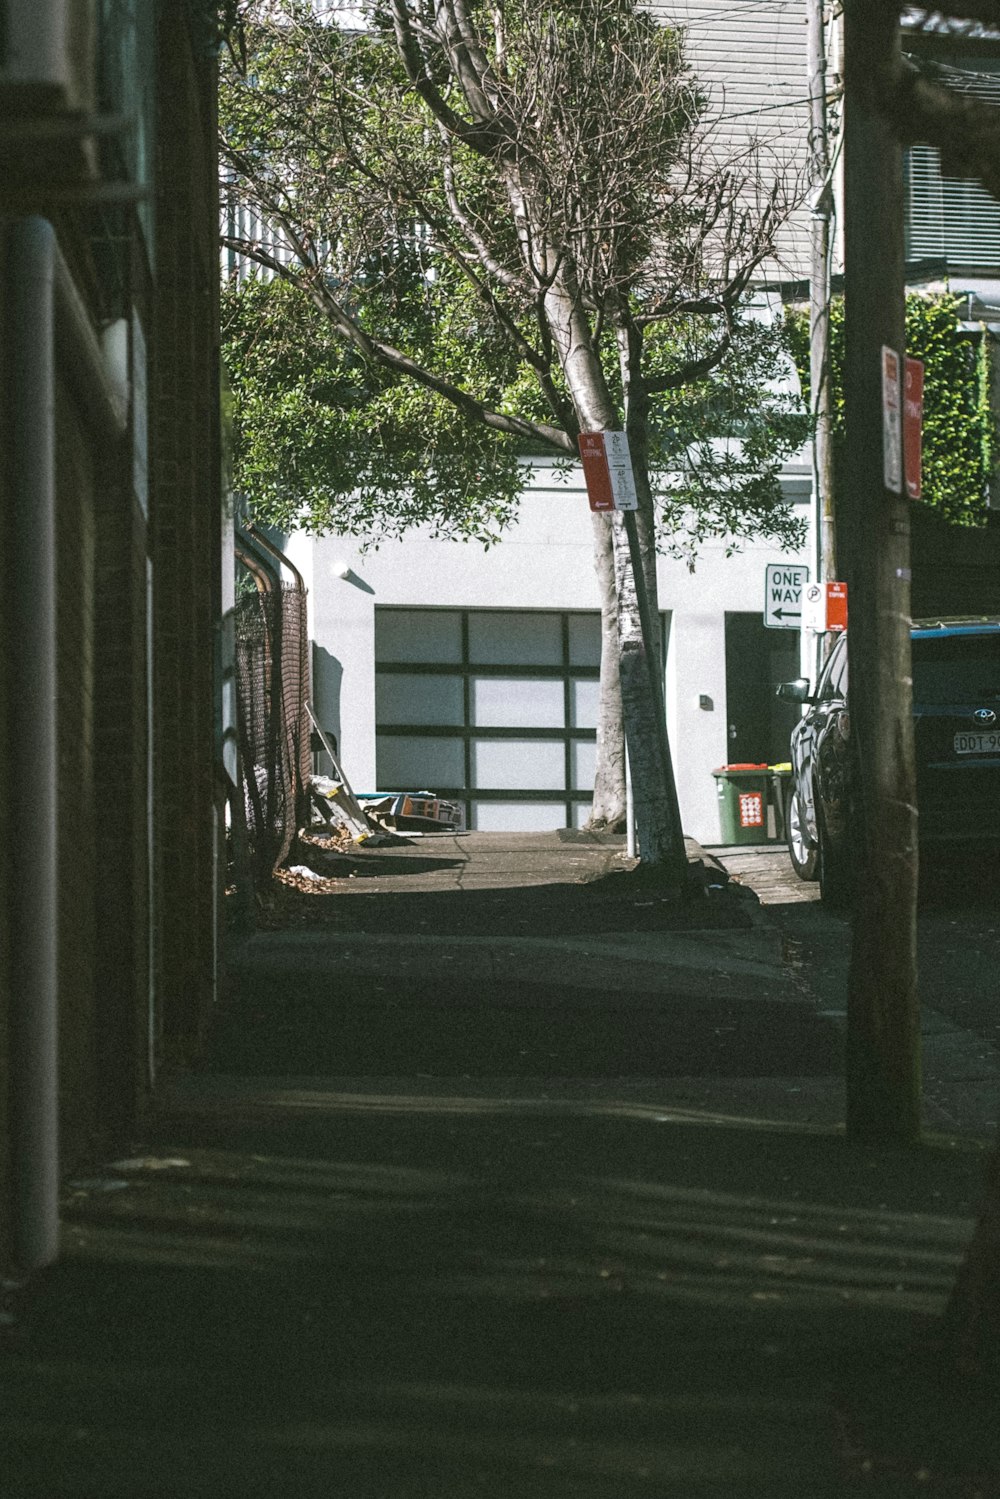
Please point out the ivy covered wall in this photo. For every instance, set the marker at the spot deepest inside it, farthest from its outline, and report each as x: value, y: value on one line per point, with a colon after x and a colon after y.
x: 960, y: 441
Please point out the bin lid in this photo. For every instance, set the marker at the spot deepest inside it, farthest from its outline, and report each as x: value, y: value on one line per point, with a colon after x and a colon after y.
x: 723, y: 768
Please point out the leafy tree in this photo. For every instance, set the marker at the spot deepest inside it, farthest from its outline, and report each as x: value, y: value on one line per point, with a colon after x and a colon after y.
x: 326, y: 441
x: 516, y: 212
x: 959, y: 429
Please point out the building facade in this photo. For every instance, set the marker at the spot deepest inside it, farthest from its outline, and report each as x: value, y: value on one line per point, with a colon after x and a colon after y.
x: 110, y: 494
x: 473, y: 673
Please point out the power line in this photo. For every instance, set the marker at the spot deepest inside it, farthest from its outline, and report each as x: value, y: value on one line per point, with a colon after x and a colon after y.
x: 765, y: 108
x: 706, y: 23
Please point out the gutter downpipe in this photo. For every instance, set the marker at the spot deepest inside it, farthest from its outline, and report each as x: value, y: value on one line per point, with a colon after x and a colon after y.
x: 47, y: 319
x: 34, y: 914
x: 258, y: 539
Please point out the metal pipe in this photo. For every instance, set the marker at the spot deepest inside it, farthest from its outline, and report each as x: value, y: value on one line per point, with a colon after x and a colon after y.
x: 269, y: 546
x: 35, y: 765
x: 48, y: 327
x: 256, y: 569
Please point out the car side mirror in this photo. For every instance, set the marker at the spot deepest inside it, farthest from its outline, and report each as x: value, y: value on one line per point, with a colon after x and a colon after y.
x: 794, y: 692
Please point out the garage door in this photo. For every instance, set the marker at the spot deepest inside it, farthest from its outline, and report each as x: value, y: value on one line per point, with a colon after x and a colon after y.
x: 491, y: 708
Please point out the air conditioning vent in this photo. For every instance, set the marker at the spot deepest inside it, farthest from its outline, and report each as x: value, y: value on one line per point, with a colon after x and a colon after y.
x: 48, y: 56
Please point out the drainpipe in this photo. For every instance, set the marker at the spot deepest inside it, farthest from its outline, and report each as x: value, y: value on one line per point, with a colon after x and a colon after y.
x: 47, y: 321
x: 258, y: 539
x: 32, y: 579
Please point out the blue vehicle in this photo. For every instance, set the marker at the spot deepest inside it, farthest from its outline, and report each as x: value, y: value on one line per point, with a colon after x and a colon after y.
x: 956, y: 713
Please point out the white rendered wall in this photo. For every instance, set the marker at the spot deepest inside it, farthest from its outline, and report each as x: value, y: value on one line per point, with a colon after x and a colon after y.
x: 544, y: 562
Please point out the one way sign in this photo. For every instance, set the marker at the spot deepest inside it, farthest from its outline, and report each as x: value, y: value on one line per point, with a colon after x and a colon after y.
x: 783, y: 595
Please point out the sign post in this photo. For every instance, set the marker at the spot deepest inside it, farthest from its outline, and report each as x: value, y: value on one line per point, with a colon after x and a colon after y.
x: 892, y: 441
x: 913, y: 421
x: 824, y: 607
x: 783, y: 584
x: 607, y: 470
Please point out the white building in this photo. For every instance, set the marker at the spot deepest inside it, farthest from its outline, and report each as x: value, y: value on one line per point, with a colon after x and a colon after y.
x: 473, y: 673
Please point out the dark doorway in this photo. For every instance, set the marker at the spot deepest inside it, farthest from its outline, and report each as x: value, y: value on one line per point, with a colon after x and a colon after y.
x: 757, y: 659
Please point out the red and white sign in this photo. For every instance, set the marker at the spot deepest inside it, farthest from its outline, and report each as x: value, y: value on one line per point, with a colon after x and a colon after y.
x: 824, y: 607
x: 607, y: 470
x: 892, y: 437
x: 751, y: 809
x: 836, y: 606
x: 913, y: 421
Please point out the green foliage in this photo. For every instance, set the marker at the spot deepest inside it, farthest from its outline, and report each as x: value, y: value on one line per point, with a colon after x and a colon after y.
x: 324, y: 134
x: 327, y: 442
x: 717, y: 445
x: 959, y: 437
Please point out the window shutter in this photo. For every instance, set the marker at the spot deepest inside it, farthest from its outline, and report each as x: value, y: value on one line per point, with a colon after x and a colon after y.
x: 949, y: 217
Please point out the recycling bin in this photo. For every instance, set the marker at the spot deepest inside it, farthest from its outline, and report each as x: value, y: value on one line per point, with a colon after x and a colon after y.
x: 781, y: 787
x: 743, y: 792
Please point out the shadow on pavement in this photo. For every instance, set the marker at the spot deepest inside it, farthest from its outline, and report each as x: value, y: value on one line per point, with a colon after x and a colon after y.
x: 612, y: 902
x: 344, y: 1023
x: 315, y: 1294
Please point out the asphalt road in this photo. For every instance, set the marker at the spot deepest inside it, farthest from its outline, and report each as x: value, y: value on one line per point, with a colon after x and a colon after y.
x: 958, y: 938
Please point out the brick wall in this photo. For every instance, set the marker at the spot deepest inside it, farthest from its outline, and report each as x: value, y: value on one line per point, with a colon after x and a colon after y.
x: 120, y: 786
x: 5, y: 796
x: 75, y: 484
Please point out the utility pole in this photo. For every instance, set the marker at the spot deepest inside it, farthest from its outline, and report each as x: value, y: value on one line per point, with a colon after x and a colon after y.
x: 883, y: 1030
x: 821, y: 213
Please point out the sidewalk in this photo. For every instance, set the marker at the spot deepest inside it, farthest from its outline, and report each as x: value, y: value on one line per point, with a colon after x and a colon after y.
x: 501, y: 1178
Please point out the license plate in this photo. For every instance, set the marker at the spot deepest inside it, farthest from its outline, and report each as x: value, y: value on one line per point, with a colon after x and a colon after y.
x: 978, y: 744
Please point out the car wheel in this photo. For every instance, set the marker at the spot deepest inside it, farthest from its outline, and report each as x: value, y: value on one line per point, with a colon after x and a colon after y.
x: 801, y: 850
x: 831, y: 868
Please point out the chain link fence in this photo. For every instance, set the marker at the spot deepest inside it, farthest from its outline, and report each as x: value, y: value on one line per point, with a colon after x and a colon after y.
x: 272, y: 688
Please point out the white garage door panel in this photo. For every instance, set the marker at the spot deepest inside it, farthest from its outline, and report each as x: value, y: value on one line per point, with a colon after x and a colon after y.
x: 518, y: 817
x: 502, y: 639
x: 418, y: 635
x: 419, y: 699
x: 518, y: 702
x: 408, y: 763
x: 584, y: 758
x: 583, y: 704
x: 518, y: 764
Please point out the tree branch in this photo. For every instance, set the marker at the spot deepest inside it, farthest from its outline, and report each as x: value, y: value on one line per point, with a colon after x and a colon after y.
x: 480, y: 137
x: 692, y: 370
x: 377, y: 351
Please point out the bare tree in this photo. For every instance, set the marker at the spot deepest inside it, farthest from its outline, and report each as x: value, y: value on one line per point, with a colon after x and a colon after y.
x: 554, y: 159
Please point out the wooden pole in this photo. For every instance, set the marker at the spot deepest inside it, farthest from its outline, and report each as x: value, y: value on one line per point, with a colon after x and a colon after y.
x: 821, y: 207
x: 883, y: 1040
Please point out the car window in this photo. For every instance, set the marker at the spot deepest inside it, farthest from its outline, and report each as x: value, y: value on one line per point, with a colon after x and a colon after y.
x: 833, y: 680
x: 956, y: 668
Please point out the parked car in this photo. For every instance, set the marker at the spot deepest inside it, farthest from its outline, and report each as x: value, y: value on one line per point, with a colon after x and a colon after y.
x: 956, y: 712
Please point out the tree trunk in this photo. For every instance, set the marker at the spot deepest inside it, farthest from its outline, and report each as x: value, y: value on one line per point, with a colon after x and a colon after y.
x: 608, y: 811
x: 661, y: 845
x: 657, y: 817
